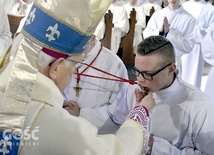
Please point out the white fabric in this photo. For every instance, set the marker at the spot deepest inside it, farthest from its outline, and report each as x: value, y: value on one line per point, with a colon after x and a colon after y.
x: 147, y: 7
x: 159, y: 2
x: 22, y: 22
x: 181, y: 32
x: 120, y: 28
x: 181, y: 121
x: 140, y: 24
x: 121, y: 25
x: 99, y: 98
x: 5, y: 34
x: 207, y: 47
x: 60, y: 133
x: 193, y: 62
x: 8, y: 5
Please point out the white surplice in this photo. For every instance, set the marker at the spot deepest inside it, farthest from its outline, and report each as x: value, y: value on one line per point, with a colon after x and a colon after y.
x: 139, y: 25
x: 99, y: 98
x: 55, y: 132
x: 5, y: 34
x: 120, y: 28
x: 181, y: 121
x: 207, y: 47
x: 193, y: 62
x: 181, y: 33
x: 147, y: 7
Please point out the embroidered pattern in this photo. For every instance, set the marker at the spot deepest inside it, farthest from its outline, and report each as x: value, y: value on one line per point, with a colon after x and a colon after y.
x: 4, y: 144
x: 140, y: 114
x: 54, y: 32
x: 31, y: 17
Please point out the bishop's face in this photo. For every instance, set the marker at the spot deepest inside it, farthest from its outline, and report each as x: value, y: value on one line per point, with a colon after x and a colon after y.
x: 62, y: 70
x: 152, y: 64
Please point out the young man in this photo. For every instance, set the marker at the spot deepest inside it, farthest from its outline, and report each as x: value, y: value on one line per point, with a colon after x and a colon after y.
x: 176, y: 25
x: 32, y: 118
x: 181, y: 121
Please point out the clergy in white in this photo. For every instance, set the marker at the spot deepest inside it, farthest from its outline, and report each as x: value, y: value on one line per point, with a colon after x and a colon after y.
x: 5, y: 34
x: 140, y: 18
x: 175, y: 24
x: 207, y: 47
x: 148, y: 6
x: 120, y: 28
x: 193, y: 63
x: 32, y: 118
x: 98, y: 98
x: 181, y: 121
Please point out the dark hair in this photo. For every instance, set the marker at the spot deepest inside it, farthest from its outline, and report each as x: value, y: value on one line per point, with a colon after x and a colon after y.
x: 157, y: 45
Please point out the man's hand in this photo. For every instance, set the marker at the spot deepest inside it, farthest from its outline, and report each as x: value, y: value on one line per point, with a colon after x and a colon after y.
x: 72, y: 107
x: 145, y: 100
x: 139, y: 95
x: 165, y: 27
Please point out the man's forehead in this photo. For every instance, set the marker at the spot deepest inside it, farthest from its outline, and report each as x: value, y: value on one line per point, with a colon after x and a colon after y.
x: 147, y: 61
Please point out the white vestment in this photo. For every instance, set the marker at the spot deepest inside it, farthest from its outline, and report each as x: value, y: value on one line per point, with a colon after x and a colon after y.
x: 120, y: 28
x: 139, y: 25
x: 8, y: 5
x: 193, y: 62
x: 59, y: 133
x: 208, y: 54
x: 99, y: 98
x: 148, y: 6
x: 5, y: 34
x: 181, y: 121
x: 181, y: 33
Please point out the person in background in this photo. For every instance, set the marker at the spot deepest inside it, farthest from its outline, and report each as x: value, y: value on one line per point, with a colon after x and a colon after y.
x: 140, y: 18
x: 193, y: 62
x: 181, y: 121
x: 97, y: 99
x: 208, y: 54
x: 32, y: 118
x: 177, y: 25
x: 148, y: 6
x: 120, y: 28
x: 5, y: 34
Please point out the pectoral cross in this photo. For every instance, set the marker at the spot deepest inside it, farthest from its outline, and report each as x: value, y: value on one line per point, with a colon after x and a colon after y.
x: 77, y: 89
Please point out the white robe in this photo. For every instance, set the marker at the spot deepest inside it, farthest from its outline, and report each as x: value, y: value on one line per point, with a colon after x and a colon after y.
x: 120, y: 28
x: 207, y: 47
x: 99, y: 98
x: 5, y: 34
x: 181, y: 32
x: 139, y: 25
x: 59, y: 133
x: 193, y: 62
x: 181, y: 121
x: 8, y: 5
x: 147, y: 7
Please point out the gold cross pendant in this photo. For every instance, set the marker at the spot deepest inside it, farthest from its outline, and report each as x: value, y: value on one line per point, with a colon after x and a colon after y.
x: 77, y: 89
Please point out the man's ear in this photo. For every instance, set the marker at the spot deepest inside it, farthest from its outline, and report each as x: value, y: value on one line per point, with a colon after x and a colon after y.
x: 172, y: 68
x: 54, y: 67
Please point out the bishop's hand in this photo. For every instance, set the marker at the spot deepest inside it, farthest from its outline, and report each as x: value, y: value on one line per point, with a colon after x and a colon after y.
x: 72, y: 107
